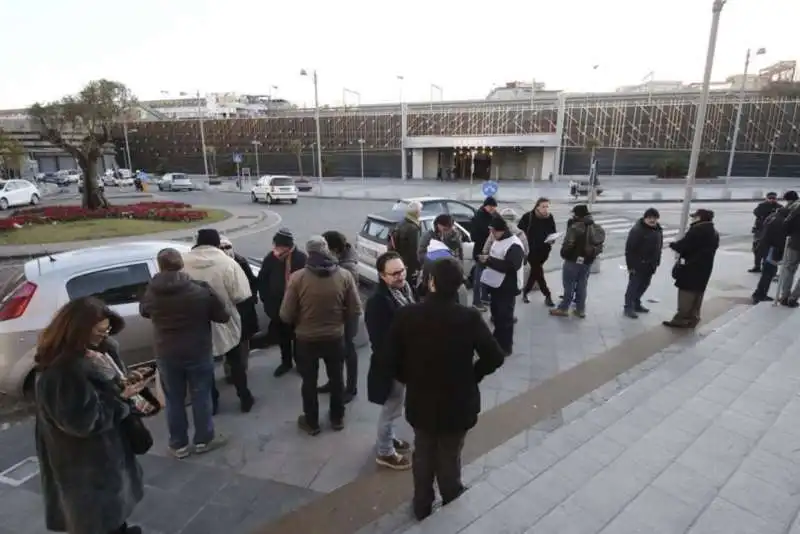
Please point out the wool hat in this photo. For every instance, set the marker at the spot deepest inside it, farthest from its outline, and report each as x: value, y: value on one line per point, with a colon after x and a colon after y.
x: 580, y: 210
x: 208, y: 237
x: 489, y: 201
x: 283, y: 238
x: 498, y: 223
x: 790, y: 196
x: 508, y: 214
x: 317, y: 244
x: 703, y: 215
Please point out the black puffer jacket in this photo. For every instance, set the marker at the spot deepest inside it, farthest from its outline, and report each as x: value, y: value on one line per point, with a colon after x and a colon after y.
x: 272, y: 279
x: 536, y: 230
x: 697, y: 250
x: 643, y: 247
x: 480, y: 231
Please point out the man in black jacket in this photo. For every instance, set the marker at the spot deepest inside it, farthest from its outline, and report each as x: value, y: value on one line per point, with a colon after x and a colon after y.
x: 761, y: 212
x: 788, y: 296
x: 433, y: 346
x: 182, y: 310
x: 772, y: 247
x: 642, y: 257
x: 278, y: 265
x: 480, y: 233
x: 404, y: 240
x: 696, y: 250
x: 392, y: 293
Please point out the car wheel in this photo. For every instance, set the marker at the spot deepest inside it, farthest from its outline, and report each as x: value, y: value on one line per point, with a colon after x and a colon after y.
x: 3, y: 204
x: 254, y: 198
x: 34, y: 199
x: 270, y: 200
x: 294, y: 201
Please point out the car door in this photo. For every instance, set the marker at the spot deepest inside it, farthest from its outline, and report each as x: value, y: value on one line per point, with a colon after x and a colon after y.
x: 462, y: 213
x: 121, y: 288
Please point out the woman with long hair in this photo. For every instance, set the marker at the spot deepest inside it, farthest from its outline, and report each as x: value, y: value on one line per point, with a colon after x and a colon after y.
x: 539, y: 225
x: 91, y: 480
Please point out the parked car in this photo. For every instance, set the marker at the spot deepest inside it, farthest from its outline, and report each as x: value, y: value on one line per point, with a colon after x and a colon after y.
x: 271, y: 189
x: 461, y: 212
x: 100, y: 185
x: 18, y: 193
x: 302, y: 184
x: 116, y: 275
x: 373, y: 240
x: 175, y: 181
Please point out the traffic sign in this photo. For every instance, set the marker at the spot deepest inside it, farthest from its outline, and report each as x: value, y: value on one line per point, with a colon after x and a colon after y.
x: 237, y: 158
x: 490, y: 188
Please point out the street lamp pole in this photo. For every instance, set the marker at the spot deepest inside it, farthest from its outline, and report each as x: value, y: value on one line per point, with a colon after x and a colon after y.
x: 742, y: 89
x: 361, y: 148
x: 441, y: 93
x: 269, y: 97
x: 403, y: 126
x: 347, y: 91
x: 257, y: 144
x: 700, y: 121
x: 772, y: 152
x: 127, y: 145
x: 202, y: 135
x: 314, y: 78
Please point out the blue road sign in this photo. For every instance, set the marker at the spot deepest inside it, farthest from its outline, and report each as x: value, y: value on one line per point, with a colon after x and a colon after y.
x: 490, y: 188
x: 237, y: 158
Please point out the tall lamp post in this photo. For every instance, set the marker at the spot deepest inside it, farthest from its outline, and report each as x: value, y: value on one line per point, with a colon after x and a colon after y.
x: 269, y: 97
x: 127, y: 145
x: 742, y: 88
x: 200, y: 113
x: 304, y: 72
x: 256, y: 143
x: 346, y: 92
x: 772, y: 151
x: 361, y: 149
x: 700, y: 121
x: 438, y: 88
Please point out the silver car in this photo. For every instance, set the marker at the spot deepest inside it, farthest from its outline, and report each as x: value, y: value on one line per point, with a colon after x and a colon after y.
x: 117, y: 275
x: 175, y: 181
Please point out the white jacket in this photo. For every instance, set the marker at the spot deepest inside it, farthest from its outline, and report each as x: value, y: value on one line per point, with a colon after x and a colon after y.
x: 223, y: 274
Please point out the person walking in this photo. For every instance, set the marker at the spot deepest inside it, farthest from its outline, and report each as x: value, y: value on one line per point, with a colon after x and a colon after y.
x: 404, y: 239
x: 392, y: 293
x: 320, y: 300
x: 786, y: 295
x: 540, y: 228
x: 346, y: 256
x: 90, y: 478
x: 479, y: 227
x: 502, y: 275
x: 772, y: 243
x: 207, y: 263
x: 283, y: 260
x: 432, y: 347
x: 642, y: 258
x: 246, y: 308
x: 764, y: 209
x: 696, y: 252
x: 182, y: 311
x: 583, y: 243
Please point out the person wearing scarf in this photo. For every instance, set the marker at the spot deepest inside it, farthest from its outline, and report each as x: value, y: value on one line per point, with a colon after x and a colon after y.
x: 392, y: 293
x: 277, y: 267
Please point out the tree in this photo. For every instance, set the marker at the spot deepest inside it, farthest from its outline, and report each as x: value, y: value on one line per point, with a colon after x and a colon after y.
x: 296, y: 146
x: 10, y: 150
x: 81, y: 124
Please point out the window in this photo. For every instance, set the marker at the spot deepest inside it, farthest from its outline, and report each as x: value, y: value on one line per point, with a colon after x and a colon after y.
x: 119, y: 285
x: 459, y: 209
x: 433, y: 207
x: 277, y: 182
x: 377, y: 230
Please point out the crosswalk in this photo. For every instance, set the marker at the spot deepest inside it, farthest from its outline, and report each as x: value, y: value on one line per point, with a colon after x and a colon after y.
x: 620, y: 226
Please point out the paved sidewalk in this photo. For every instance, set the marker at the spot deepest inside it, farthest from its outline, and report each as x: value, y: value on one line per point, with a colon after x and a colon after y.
x: 239, y: 221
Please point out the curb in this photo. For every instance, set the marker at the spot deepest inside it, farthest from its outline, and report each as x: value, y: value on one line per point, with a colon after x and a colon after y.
x: 227, y: 231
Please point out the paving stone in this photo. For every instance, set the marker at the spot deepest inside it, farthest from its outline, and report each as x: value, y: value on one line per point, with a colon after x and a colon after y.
x: 716, y: 454
x: 724, y: 389
x: 633, y: 426
x: 216, y: 518
x: 686, y: 484
x: 723, y: 517
x: 669, y: 399
x: 566, y: 518
x: 781, y: 443
x: 660, y: 510
x: 699, y: 376
x: 569, y: 437
x: 509, y: 478
x: 538, y: 459
x: 761, y: 498
x: 164, y: 511
x: 783, y: 473
x: 602, y: 449
x: 704, y: 408
x: 19, y: 508
x: 457, y: 515
x: 744, y: 425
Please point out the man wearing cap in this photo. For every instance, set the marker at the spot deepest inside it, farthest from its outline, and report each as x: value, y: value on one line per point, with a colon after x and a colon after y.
x: 761, y: 212
x: 207, y: 263
x: 320, y: 300
x: 642, y: 258
x: 787, y: 295
x: 479, y: 227
x: 772, y: 247
x: 696, y: 250
x: 283, y: 260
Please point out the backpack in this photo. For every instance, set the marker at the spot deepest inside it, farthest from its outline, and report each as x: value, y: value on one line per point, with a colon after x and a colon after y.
x: 595, y: 240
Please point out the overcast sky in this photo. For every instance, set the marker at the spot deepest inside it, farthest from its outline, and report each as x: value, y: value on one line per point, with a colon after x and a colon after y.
x: 53, y: 47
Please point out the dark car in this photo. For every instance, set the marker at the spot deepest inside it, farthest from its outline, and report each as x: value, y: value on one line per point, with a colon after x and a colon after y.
x: 302, y: 184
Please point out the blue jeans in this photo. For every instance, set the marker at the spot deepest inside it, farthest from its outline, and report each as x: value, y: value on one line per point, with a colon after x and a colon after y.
x: 391, y: 411
x: 575, y: 277
x: 198, y: 376
x: 479, y: 293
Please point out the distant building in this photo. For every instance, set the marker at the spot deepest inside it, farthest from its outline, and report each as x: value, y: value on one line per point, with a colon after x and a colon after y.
x: 516, y: 91
x: 212, y: 106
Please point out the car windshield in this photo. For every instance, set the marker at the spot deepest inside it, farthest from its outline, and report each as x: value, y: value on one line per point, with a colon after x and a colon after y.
x: 277, y: 182
x: 3, y: 184
x: 377, y: 229
x: 179, y: 177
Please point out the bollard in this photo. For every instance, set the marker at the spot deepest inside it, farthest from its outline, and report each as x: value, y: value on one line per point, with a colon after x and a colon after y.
x: 727, y: 195
x: 758, y: 195
x: 627, y: 196
x: 657, y: 195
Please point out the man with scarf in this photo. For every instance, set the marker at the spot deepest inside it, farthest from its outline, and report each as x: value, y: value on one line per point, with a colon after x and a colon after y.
x: 502, y: 275
x: 320, y: 300
x: 405, y: 240
x: 392, y: 293
x: 283, y: 260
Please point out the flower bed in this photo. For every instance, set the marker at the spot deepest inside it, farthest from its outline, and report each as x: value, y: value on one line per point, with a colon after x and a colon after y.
x: 155, y: 211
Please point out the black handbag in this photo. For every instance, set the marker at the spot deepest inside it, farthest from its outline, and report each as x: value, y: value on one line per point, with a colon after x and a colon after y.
x: 137, y: 434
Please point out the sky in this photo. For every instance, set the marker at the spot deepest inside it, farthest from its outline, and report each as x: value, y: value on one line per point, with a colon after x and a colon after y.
x: 54, y: 47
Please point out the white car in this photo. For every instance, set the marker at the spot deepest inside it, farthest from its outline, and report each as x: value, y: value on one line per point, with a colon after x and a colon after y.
x: 175, y: 181
x: 373, y: 240
x: 271, y: 189
x: 18, y: 193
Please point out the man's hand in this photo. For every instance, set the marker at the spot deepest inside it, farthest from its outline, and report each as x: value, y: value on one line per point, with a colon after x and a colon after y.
x: 483, y: 258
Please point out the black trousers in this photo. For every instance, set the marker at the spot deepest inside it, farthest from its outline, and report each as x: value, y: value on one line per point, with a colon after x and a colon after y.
x: 286, y: 341
x: 638, y: 283
x: 436, y: 457
x: 768, y: 272
x: 351, y: 357
x: 536, y: 275
x: 501, y: 306
x: 236, y: 359
x: 309, y: 354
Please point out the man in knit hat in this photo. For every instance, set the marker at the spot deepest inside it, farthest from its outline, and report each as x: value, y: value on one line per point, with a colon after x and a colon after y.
x: 283, y: 260
x: 207, y: 263
x: 320, y: 300
x: 405, y: 240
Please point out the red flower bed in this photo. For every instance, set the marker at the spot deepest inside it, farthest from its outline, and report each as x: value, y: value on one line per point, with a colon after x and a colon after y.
x: 156, y: 211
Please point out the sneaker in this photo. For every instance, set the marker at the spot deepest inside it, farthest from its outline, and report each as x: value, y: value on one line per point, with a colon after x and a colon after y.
x: 246, y: 404
x: 282, y: 369
x: 629, y: 313
x: 558, y: 312
x: 525, y: 298
x: 402, y: 447
x: 181, y: 452
x: 580, y: 314
x: 337, y: 424
x: 641, y: 309
x: 395, y: 461
x: 216, y: 442
x: 754, y: 270
x: 549, y: 302
x: 305, y: 426
x: 792, y: 303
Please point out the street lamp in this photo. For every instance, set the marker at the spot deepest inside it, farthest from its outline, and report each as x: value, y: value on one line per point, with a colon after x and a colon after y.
x: 435, y: 87
x: 345, y: 92
x: 256, y: 143
x: 403, y: 127
x: 269, y: 97
x: 700, y: 120
x: 361, y: 148
x: 772, y: 152
x: 759, y: 52
x: 304, y: 72
x: 127, y: 145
